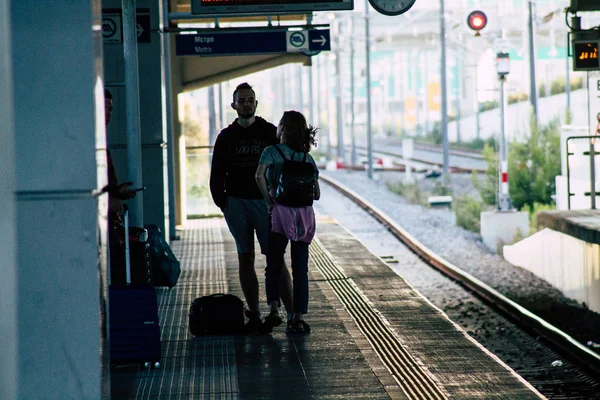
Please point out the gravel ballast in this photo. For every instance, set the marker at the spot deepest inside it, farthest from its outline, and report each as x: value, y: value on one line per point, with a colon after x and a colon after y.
x: 436, y: 229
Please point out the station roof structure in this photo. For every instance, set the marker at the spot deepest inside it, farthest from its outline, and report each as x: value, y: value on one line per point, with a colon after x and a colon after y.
x: 417, y: 29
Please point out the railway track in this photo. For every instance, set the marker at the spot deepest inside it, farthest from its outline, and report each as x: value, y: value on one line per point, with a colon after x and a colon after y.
x: 535, y: 354
x: 425, y: 164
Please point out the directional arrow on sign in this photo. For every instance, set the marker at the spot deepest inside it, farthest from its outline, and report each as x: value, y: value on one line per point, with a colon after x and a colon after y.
x: 251, y: 42
x: 322, y: 40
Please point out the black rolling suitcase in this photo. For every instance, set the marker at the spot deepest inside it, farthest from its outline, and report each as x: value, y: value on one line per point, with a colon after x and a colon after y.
x: 133, y: 319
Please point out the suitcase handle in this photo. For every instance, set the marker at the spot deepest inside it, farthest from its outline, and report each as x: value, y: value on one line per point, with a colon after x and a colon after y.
x: 127, y: 253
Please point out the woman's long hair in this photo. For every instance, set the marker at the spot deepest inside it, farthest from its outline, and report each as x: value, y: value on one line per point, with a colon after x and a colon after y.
x: 296, y: 133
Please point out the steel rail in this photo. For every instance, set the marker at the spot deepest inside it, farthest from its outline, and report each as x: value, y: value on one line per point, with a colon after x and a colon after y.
x: 561, y: 341
x: 453, y: 169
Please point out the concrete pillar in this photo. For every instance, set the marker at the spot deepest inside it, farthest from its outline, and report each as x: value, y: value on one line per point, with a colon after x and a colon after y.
x: 9, y: 386
x: 178, y: 136
x: 49, y: 312
x: 152, y: 110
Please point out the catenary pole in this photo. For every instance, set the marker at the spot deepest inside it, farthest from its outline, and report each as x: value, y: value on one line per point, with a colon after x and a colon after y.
x: 368, y: 87
x: 444, y: 89
x: 532, y: 80
x: 338, y: 94
x: 353, y: 159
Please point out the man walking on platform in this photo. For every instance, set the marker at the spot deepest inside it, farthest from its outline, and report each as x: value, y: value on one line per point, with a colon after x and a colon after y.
x: 234, y: 190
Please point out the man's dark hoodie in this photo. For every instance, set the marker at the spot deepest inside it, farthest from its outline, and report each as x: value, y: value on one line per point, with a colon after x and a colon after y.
x: 235, y: 160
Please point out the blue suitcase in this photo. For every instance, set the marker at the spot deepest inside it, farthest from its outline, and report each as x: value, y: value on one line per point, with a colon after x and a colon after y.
x: 133, y: 319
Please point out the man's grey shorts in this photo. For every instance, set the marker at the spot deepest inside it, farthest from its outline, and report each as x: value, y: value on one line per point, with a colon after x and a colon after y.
x: 243, y: 217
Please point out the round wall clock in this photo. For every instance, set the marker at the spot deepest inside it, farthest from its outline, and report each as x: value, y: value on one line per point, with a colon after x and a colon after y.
x: 392, y: 7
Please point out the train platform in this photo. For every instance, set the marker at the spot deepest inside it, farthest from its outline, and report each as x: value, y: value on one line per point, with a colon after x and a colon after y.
x: 372, y: 335
x: 581, y: 224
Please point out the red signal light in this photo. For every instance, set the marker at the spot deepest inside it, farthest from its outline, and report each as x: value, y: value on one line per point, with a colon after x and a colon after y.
x: 477, y: 20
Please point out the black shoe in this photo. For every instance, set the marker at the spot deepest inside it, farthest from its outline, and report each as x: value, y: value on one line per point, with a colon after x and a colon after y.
x: 254, y: 323
x: 298, y: 327
x: 272, y: 320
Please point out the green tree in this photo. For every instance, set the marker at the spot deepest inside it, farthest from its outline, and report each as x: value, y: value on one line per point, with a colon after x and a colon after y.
x: 533, y: 164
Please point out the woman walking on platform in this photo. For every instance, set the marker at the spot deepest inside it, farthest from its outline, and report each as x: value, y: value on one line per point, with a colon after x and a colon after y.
x: 287, y: 177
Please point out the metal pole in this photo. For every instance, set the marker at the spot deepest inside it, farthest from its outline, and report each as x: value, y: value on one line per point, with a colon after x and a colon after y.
x: 478, y: 108
x: 300, y: 95
x: 283, y: 90
x: 212, y: 116
x: 425, y: 71
x: 368, y: 87
x: 592, y: 174
x: 132, y: 110
x: 353, y: 159
x: 310, y: 83
x: 503, y: 199
x: 444, y: 89
x: 318, y: 97
x: 329, y: 116
x: 457, y: 98
x: 415, y: 77
x: 170, y: 134
x: 568, y: 80
x: 221, y: 120
x: 532, y: 80
x: 338, y: 95
x: 403, y: 72
x: 311, y: 110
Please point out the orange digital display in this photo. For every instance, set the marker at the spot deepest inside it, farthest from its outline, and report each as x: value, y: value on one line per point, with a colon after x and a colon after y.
x: 585, y: 56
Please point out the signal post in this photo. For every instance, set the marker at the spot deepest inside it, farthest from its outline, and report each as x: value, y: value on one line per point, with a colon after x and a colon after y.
x: 504, y: 225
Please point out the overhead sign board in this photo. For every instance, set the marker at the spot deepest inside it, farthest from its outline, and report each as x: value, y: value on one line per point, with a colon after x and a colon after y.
x: 112, y: 25
x: 584, y: 5
x: 252, y: 42
x: 227, y: 7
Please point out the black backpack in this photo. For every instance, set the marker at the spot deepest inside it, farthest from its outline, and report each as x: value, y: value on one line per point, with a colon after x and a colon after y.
x: 296, y: 186
x: 217, y: 314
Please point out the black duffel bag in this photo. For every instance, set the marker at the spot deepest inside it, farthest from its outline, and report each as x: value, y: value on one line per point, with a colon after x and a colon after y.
x: 165, y: 266
x: 217, y: 314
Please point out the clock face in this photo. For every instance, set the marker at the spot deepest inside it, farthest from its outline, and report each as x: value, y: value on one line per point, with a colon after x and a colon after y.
x: 392, y: 7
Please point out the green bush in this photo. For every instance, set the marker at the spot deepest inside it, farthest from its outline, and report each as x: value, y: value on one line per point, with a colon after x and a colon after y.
x: 576, y: 83
x: 517, y: 97
x: 478, y: 144
x: 533, y: 213
x: 468, y: 213
x: 558, y: 86
x: 435, y: 136
x: 533, y: 164
x: 440, y: 189
x: 411, y: 192
x: 488, y: 187
x: 488, y: 105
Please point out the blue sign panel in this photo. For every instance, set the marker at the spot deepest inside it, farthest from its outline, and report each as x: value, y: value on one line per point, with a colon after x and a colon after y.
x: 252, y: 42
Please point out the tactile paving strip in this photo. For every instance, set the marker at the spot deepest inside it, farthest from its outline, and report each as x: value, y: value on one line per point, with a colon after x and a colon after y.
x: 192, y: 368
x: 414, y: 380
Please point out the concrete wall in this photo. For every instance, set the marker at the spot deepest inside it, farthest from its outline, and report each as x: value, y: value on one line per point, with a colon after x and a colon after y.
x: 569, y: 264
x: 518, y: 117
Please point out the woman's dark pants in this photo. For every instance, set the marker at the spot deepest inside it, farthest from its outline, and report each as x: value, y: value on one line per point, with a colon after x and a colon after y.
x: 275, y: 262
